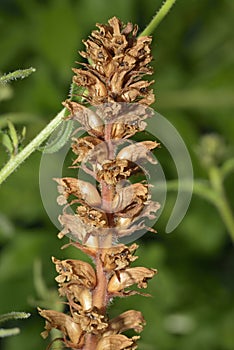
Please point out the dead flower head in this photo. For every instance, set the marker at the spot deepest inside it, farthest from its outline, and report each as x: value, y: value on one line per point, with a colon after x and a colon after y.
x: 96, y: 217
x: 119, y: 60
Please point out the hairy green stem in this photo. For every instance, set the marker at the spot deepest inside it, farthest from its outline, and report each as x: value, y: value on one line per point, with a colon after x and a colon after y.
x: 14, y: 315
x: 157, y: 19
x: 222, y: 204
x: 14, y: 162
x: 18, y: 74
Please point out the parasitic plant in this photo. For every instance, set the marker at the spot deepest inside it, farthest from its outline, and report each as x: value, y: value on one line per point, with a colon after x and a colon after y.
x: 107, y: 209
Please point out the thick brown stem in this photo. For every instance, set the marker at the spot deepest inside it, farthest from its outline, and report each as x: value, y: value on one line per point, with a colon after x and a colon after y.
x: 100, y: 294
x: 100, y: 299
x: 91, y: 341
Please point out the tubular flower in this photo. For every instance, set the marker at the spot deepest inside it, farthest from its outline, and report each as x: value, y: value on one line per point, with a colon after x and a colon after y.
x: 109, y: 205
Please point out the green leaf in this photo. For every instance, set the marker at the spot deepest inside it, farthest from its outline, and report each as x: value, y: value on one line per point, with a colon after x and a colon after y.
x: 23, y: 133
x: 13, y: 134
x: 6, y: 141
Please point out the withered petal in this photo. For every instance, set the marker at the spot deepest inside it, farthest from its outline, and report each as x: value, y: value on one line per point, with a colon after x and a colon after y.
x: 87, y: 118
x: 91, y: 321
x: 130, y: 319
x: 77, y: 294
x: 116, y: 56
x: 127, y: 195
x: 139, y: 151
x: 62, y: 322
x: 117, y: 342
x: 128, y: 277
x: 118, y: 257
x: 83, y: 190
x: 79, y: 270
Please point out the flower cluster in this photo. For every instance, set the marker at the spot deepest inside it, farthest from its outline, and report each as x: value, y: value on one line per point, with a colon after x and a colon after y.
x: 78, y: 282
x: 99, y: 212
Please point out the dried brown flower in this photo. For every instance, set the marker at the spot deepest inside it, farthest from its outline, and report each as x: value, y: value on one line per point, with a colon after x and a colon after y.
x: 94, y: 216
x: 70, y: 270
x: 118, y: 257
x: 139, y: 152
x: 82, y: 147
x: 128, y: 277
x: 130, y: 319
x: 119, y: 60
x: 84, y: 191
x: 71, y: 330
x: 117, y: 342
x: 114, y: 170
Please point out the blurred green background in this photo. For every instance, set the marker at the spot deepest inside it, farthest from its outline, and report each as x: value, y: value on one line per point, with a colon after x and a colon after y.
x: 193, y: 295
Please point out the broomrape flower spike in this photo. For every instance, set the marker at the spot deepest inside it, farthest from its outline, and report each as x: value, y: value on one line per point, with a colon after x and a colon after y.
x: 98, y: 218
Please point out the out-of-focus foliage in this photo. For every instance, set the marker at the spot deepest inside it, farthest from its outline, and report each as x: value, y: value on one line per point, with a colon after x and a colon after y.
x: 11, y: 316
x: 193, y: 295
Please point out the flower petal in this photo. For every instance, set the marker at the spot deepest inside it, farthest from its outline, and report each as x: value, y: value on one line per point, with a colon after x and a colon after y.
x: 117, y: 342
x: 128, y: 277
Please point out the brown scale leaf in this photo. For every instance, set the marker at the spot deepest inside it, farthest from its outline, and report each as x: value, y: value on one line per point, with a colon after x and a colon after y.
x: 97, y: 90
x: 90, y: 150
x: 73, y: 226
x: 127, y: 226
